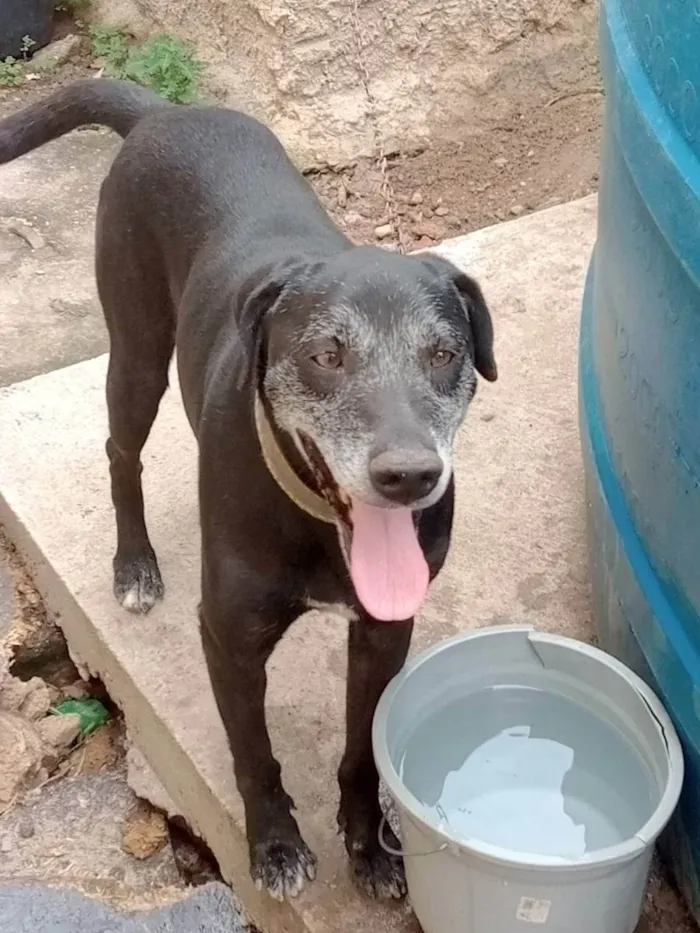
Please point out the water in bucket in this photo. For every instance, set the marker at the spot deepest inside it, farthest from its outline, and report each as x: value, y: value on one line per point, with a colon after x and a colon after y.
x: 530, y: 771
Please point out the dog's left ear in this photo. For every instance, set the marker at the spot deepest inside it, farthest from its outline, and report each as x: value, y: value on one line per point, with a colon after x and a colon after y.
x: 477, y: 312
x: 256, y: 298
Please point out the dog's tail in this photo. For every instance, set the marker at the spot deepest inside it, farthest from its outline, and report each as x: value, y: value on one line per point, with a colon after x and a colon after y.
x: 116, y: 104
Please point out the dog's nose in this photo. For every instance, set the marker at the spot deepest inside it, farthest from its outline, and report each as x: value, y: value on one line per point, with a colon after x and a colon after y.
x: 405, y: 476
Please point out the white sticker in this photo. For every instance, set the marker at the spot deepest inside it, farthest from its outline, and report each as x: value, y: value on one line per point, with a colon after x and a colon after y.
x: 533, y: 911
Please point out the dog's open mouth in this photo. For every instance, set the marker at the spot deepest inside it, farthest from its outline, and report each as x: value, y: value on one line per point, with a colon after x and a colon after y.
x: 387, y: 565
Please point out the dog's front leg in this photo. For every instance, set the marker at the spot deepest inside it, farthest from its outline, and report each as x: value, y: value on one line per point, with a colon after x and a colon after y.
x: 376, y: 652
x: 238, y: 635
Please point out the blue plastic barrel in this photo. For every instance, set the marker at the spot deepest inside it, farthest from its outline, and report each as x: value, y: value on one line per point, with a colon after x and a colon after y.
x: 640, y: 375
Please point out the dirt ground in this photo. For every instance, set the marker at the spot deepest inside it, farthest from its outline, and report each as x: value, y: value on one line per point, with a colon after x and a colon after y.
x: 91, y: 769
x: 538, y: 159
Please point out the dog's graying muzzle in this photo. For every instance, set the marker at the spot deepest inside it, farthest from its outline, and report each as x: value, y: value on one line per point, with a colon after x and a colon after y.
x: 405, y: 476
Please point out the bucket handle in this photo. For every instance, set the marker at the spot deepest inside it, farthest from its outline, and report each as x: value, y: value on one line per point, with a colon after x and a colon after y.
x: 400, y: 852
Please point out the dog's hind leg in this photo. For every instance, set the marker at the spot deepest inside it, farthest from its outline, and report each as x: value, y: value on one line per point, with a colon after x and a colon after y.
x: 141, y: 324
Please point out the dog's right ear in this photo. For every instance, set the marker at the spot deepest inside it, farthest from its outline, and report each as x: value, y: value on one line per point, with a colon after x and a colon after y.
x: 257, y: 297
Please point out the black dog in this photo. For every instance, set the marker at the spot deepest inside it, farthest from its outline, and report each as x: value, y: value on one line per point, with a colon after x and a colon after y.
x: 324, y: 383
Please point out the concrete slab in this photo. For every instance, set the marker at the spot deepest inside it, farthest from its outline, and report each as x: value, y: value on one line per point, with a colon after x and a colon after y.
x: 518, y: 554
x: 7, y: 601
x: 49, y: 314
x: 35, y: 909
x: 70, y: 833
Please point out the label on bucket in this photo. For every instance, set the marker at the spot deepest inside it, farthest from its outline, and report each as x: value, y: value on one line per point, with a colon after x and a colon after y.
x: 531, y: 910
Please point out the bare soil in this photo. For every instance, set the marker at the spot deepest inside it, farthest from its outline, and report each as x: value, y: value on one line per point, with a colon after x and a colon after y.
x: 538, y: 158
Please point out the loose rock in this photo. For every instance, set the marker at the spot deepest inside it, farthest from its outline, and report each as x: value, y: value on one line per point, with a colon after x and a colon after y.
x: 145, y: 832
x: 441, y: 211
x: 416, y: 198
x: 58, y: 53
x: 428, y: 228
x: 383, y: 231
x: 22, y: 755
x: 60, y: 731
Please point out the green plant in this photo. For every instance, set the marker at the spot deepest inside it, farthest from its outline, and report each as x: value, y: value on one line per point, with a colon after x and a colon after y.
x: 167, y: 65
x: 27, y: 45
x: 111, y: 44
x: 162, y: 62
x: 11, y: 73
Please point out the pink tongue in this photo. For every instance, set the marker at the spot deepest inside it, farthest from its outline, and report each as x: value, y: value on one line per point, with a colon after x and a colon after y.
x: 387, y: 566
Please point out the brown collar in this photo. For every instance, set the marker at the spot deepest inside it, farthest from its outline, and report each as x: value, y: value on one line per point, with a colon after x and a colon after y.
x: 284, y: 474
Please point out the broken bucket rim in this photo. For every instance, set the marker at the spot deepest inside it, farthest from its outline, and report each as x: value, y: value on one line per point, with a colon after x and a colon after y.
x: 624, y: 851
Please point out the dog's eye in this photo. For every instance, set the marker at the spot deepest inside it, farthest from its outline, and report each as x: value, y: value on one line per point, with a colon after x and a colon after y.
x: 441, y: 358
x: 329, y: 359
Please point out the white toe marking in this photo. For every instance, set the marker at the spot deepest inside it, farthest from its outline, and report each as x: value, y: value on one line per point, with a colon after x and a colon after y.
x: 131, y: 600
x: 138, y: 601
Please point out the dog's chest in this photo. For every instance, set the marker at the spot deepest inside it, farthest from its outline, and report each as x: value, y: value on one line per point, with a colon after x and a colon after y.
x: 337, y: 609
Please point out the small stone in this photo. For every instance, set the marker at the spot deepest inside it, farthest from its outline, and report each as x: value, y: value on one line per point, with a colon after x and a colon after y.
x: 352, y: 218
x: 145, y: 832
x: 453, y: 221
x: 437, y: 202
x: 500, y: 162
x: 58, y: 53
x: 25, y: 829
x: 21, y: 754
x: 416, y: 198
x: 441, y: 211
x: 60, y: 731
x: 415, y: 216
x: 77, y: 691
x: 430, y: 229
x: 517, y: 209
x: 488, y: 416
x: 383, y: 231
x: 31, y: 699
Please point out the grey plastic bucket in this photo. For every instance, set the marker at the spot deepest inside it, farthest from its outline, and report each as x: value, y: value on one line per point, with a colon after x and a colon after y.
x: 463, y: 885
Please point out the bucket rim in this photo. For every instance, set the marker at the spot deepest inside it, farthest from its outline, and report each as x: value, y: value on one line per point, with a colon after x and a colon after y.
x: 622, y: 852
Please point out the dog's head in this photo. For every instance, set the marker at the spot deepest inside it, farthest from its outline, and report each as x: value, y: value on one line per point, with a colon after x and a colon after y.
x: 368, y: 361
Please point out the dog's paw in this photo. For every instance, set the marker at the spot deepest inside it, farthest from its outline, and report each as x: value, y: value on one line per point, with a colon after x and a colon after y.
x: 377, y: 873
x: 138, y: 584
x: 282, y: 868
